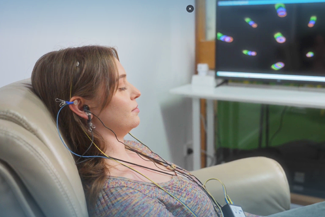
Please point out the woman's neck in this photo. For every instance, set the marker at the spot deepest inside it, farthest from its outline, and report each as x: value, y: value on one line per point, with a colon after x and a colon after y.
x: 115, y: 148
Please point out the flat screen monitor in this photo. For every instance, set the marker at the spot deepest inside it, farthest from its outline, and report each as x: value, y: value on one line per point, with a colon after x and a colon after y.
x: 277, y: 41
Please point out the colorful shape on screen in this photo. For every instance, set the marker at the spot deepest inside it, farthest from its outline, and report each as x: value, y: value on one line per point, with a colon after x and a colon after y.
x: 312, y: 21
x: 224, y: 38
x: 279, y: 37
x: 310, y: 54
x: 250, y: 22
x: 281, y: 10
x: 249, y: 53
x: 277, y: 66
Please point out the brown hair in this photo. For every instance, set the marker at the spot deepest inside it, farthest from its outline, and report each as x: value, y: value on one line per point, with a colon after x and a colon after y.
x: 78, y: 72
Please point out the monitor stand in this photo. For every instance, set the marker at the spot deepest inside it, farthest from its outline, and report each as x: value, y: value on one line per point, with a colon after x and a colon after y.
x: 225, y: 81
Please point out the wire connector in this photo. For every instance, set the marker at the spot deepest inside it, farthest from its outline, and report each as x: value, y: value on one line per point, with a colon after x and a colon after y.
x: 63, y: 103
x: 91, y: 126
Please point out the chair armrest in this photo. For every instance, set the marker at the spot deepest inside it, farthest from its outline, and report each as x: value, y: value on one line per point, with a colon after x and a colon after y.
x: 258, y: 184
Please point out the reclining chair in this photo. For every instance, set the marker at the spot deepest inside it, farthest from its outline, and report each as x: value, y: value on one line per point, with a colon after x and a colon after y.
x: 38, y: 176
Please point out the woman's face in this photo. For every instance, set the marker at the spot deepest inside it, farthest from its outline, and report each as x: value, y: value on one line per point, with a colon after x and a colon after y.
x: 121, y: 114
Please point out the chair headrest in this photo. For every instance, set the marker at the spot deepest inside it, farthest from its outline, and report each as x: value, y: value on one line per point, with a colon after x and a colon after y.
x: 30, y: 145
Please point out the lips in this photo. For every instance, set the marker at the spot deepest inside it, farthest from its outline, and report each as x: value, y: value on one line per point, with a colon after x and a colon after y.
x: 136, y: 109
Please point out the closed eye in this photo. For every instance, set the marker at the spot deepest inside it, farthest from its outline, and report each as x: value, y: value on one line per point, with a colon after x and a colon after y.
x: 122, y: 88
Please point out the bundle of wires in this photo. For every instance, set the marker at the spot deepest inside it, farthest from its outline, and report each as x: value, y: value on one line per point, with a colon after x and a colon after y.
x: 162, y: 162
x: 227, y: 198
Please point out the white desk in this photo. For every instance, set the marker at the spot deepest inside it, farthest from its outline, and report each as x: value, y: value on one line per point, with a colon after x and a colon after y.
x: 272, y: 95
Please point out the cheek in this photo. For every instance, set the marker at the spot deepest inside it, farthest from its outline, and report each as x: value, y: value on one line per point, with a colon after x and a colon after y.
x: 117, y: 110
x: 119, y: 105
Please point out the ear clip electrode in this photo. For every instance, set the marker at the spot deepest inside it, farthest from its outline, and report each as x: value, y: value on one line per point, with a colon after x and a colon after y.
x: 91, y: 126
x: 63, y: 103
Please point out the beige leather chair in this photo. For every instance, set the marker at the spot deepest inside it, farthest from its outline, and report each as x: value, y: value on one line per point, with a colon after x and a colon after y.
x: 38, y: 176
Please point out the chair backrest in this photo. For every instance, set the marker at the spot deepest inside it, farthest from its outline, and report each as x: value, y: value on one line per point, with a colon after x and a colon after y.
x: 38, y: 176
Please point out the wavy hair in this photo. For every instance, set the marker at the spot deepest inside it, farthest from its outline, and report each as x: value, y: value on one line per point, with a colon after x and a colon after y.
x: 79, y: 71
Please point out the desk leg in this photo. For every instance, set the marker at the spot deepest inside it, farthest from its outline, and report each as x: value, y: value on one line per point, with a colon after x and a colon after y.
x: 210, y: 129
x: 196, y: 134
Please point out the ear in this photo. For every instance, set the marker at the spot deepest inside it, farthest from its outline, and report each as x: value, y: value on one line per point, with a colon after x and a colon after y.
x: 77, y: 108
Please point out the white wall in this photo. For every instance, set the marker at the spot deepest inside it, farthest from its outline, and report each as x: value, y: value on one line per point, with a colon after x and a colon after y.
x: 155, y: 40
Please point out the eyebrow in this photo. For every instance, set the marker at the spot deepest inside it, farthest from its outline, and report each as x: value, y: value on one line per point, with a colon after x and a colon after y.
x: 121, y: 76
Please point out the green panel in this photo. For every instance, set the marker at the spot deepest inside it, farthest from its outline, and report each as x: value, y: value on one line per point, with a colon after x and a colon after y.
x: 238, y: 125
x: 229, y: 123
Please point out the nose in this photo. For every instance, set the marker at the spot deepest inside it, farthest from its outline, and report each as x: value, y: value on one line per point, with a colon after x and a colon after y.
x: 135, y: 93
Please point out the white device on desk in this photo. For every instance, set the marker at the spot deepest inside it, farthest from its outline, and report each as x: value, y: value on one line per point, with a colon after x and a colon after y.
x: 206, y: 80
x: 204, y: 76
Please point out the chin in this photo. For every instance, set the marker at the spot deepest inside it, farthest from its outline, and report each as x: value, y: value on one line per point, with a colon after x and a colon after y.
x: 135, y: 124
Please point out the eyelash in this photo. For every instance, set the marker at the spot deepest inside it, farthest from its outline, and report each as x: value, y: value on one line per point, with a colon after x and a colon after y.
x: 122, y: 88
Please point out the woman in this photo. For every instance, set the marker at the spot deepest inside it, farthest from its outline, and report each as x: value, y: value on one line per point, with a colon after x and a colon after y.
x: 129, y: 179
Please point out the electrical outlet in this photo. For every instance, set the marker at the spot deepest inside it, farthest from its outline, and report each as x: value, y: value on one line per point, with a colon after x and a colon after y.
x: 188, y: 150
